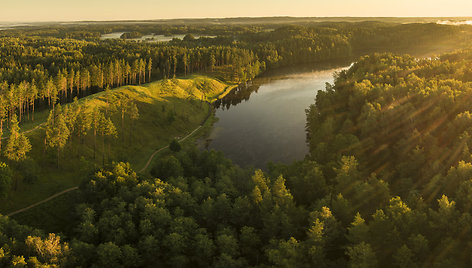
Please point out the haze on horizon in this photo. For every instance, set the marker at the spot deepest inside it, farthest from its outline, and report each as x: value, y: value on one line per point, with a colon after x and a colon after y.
x: 74, y: 10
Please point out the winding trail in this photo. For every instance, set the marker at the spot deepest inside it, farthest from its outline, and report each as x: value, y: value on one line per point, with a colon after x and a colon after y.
x: 181, y: 140
x: 165, y: 147
x: 142, y: 170
x: 28, y: 131
x: 47, y: 199
x: 43, y: 201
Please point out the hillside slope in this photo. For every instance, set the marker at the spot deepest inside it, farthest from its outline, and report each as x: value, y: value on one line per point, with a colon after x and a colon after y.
x: 168, y: 109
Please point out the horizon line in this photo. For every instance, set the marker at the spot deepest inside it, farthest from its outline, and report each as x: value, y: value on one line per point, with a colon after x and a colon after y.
x: 237, y: 17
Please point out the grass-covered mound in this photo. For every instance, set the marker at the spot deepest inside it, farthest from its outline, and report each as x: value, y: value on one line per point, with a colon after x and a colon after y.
x: 167, y: 109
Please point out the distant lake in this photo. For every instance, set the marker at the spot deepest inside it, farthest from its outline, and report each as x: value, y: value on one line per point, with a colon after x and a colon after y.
x: 266, y: 121
x: 152, y: 37
x: 115, y: 35
x: 11, y: 25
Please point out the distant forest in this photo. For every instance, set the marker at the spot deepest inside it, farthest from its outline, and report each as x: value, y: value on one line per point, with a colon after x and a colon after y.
x: 41, y: 64
x: 386, y: 183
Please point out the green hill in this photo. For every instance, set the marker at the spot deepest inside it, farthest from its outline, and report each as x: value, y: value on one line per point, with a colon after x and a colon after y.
x: 168, y: 109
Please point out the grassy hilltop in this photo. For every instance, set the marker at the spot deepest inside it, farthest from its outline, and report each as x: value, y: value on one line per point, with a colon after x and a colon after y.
x: 168, y: 109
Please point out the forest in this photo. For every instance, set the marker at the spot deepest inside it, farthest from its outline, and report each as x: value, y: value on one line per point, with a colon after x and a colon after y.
x: 386, y: 182
x: 43, y: 67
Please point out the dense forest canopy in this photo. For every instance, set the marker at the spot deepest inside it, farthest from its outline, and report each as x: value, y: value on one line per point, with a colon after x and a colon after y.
x: 387, y: 181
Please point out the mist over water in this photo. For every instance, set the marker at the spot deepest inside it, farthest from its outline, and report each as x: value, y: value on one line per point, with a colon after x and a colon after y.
x: 11, y: 25
x: 448, y: 22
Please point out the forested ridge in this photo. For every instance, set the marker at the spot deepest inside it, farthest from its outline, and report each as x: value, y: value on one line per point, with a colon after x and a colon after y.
x: 44, y: 71
x: 386, y: 183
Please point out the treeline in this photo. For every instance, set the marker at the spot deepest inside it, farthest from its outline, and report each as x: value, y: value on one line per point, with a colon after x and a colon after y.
x: 75, y: 122
x: 72, y: 123
x: 289, y: 45
x: 39, y: 72
x: 93, y: 32
x: 418, y: 110
x: 35, y: 71
x: 131, y: 35
x: 296, y: 44
x: 39, y: 88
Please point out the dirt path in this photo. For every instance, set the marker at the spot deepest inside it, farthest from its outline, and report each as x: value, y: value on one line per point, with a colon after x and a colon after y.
x: 181, y: 140
x: 28, y: 131
x: 43, y: 201
x: 142, y: 170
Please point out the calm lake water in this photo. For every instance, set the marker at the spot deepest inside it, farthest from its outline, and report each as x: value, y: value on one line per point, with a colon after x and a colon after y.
x: 152, y: 37
x: 266, y: 120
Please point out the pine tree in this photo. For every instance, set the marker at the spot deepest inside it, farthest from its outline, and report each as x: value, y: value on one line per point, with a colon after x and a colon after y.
x: 142, y: 71
x: 33, y: 94
x: 3, y: 116
x: 95, y: 122
x: 133, y: 115
x: 107, y: 97
x: 149, y: 69
x: 57, y: 133
x: 358, y: 230
x: 107, y: 129
x: 174, y: 146
x: 18, y: 144
x: 49, y: 91
x: 77, y: 82
x: 71, y: 113
x: 71, y: 82
x: 5, y: 179
x: 122, y: 106
x: 83, y: 124
x: 361, y: 255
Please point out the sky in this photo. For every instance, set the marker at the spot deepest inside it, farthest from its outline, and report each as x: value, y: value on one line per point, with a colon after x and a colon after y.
x: 76, y: 10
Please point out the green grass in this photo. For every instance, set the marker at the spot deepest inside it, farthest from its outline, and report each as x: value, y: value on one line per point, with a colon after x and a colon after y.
x: 55, y: 216
x: 153, y: 130
x: 188, y: 143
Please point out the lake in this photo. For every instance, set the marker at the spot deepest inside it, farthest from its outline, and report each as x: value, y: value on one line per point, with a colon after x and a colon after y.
x: 152, y: 37
x: 265, y: 121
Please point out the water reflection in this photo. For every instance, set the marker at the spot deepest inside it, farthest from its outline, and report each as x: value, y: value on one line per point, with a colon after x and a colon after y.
x: 265, y: 120
x: 236, y: 96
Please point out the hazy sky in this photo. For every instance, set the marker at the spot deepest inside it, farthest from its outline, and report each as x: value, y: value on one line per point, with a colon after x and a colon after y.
x: 66, y: 10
